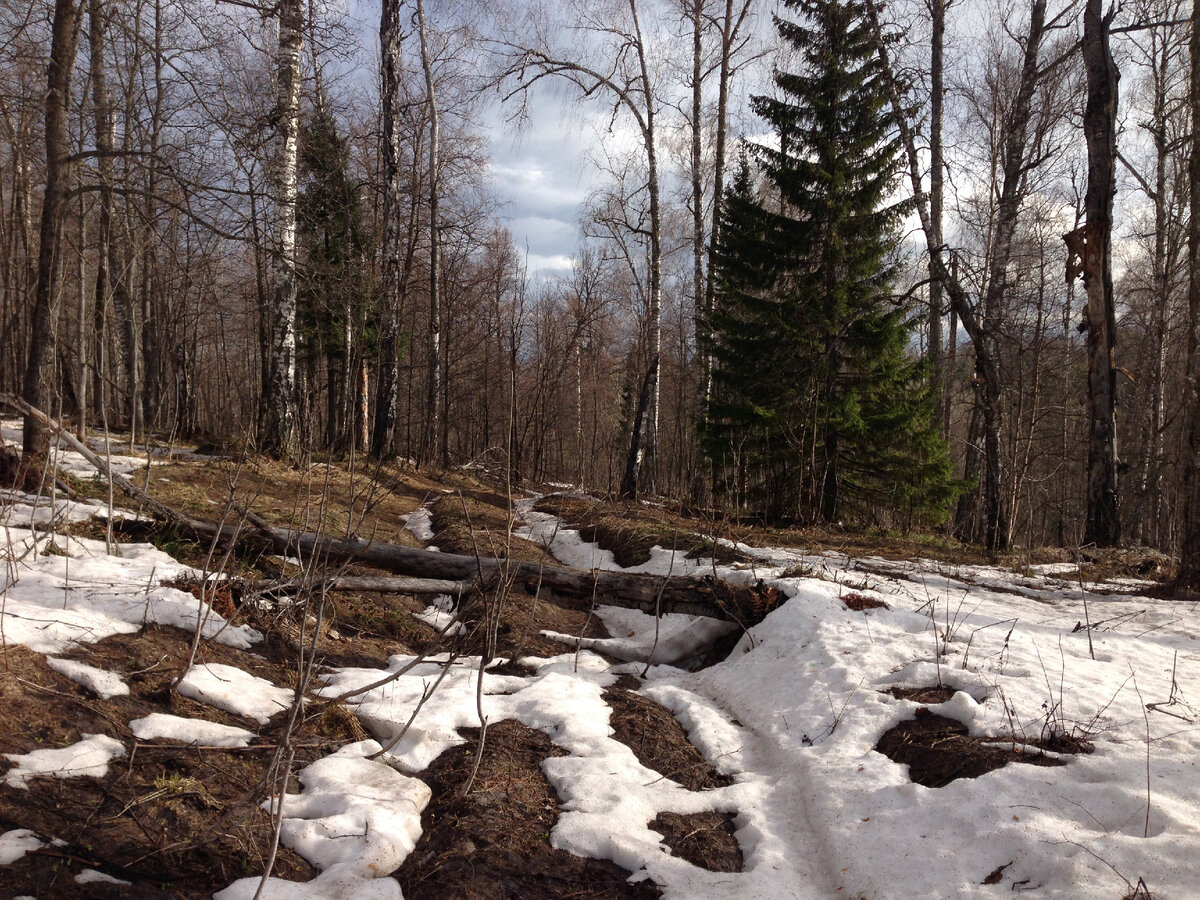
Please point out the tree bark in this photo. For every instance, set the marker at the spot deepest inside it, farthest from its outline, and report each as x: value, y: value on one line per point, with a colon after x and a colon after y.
x: 1103, y: 525
x: 644, y: 440
x: 280, y: 417
x: 39, y: 368
x: 387, y: 396
x: 937, y: 168
x: 430, y: 440
x: 1189, y: 556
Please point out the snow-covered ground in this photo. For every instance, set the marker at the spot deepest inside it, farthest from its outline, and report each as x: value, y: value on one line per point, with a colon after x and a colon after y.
x: 793, y: 716
x: 71, y: 462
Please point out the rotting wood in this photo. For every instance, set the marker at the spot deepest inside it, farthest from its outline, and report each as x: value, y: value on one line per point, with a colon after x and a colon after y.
x: 704, y: 596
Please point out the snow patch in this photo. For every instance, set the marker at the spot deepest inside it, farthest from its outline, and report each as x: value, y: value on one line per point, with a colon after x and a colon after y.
x: 102, y: 683
x: 189, y: 731
x: 235, y: 690
x: 88, y: 757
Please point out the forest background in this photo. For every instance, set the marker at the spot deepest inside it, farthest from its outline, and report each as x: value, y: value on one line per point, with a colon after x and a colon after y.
x: 257, y: 225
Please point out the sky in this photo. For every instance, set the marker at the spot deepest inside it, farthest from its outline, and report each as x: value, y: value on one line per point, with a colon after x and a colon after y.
x: 541, y: 172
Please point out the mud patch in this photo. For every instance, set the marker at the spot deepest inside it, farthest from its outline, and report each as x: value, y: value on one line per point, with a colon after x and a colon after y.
x: 495, y: 842
x: 703, y: 839
x: 938, y: 751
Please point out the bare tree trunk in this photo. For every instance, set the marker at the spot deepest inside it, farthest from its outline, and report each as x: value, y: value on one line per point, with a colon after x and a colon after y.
x: 155, y: 318
x: 429, y: 441
x: 937, y: 167
x: 280, y: 416
x: 383, y: 438
x: 700, y: 313
x: 1150, y: 520
x: 980, y: 323
x: 38, y: 371
x: 112, y: 271
x: 1100, y: 129
x: 643, y: 444
x: 1189, y: 556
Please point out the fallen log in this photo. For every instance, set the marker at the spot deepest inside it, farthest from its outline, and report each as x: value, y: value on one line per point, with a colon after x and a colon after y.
x: 653, y: 594
x: 365, y: 584
x: 706, y: 596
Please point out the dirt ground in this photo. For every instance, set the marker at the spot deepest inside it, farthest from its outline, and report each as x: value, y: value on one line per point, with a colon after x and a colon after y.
x: 184, y: 821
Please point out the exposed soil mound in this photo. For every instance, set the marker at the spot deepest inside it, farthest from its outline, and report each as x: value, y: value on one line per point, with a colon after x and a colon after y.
x: 495, y: 842
x: 178, y: 824
x: 938, y: 751
x: 930, y: 695
x: 860, y: 602
x: 703, y: 839
x: 659, y: 741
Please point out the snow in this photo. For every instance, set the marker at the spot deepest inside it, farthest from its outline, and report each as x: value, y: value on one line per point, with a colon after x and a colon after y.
x: 356, y: 819
x: 420, y: 523
x: 61, y: 591
x: 15, y: 844
x: 439, y: 615
x: 189, y: 731
x: 71, y: 462
x: 89, y: 756
x: 91, y: 876
x: 677, y: 639
x: 235, y: 690
x: 102, y: 683
x: 792, y: 716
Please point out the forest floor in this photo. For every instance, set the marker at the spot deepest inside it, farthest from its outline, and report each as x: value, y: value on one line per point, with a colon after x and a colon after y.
x: 708, y: 790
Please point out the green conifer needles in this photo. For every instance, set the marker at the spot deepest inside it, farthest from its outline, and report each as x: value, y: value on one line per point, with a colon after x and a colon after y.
x: 818, y: 412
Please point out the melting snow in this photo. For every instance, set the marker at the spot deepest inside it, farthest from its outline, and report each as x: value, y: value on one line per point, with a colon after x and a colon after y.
x: 102, y: 683
x: 235, y: 690
x: 189, y: 731
x: 89, y: 756
x: 793, y: 716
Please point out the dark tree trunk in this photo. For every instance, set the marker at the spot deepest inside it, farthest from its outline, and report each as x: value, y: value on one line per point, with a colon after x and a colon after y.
x: 39, y: 368
x: 936, y: 183
x: 1103, y: 526
x: 383, y: 436
x: 1189, y: 557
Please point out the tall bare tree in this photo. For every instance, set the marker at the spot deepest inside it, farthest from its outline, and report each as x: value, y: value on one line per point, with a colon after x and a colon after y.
x: 1189, y: 557
x: 383, y: 438
x: 64, y: 40
x: 620, y: 70
x: 1103, y: 525
x: 433, y: 441
x: 280, y: 427
x: 979, y: 320
x: 937, y: 178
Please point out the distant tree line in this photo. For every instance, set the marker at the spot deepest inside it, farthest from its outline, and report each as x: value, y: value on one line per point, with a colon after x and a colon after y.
x: 876, y: 287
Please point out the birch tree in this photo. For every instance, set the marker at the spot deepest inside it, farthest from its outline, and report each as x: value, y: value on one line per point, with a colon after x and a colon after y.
x: 279, y: 418
x: 433, y: 441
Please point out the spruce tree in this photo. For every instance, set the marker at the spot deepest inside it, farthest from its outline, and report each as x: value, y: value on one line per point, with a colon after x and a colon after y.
x: 818, y: 411
x: 335, y: 292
